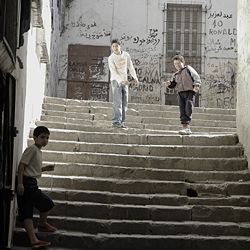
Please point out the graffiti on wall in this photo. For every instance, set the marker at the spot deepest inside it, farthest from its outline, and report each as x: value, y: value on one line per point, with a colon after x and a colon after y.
x: 89, y: 25
x: 221, y: 34
x: 220, y: 83
x: 150, y: 39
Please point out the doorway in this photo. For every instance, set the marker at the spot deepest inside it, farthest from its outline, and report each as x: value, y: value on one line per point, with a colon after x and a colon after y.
x: 7, y: 134
x: 88, y: 73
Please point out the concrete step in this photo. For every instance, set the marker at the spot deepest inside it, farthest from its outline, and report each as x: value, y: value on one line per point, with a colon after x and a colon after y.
x: 92, y: 170
x: 121, y: 137
x: 144, y: 161
x: 140, y: 106
x: 132, y: 128
x: 146, y: 199
x: 135, y: 118
x: 152, y: 150
x: 79, y: 240
x: 144, y: 186
x: 151, y: 174
x: 138, y: 115
x: 146, y: 227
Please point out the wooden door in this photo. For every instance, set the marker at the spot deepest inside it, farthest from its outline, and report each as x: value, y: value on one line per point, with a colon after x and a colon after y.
x: 88, y: 74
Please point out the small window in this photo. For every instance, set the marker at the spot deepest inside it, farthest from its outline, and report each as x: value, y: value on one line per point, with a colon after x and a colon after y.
x: 183, y: 34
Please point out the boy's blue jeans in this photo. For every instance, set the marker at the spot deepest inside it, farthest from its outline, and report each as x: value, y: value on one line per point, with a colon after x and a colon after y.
x: 120, y: 102
x: 186, y: 100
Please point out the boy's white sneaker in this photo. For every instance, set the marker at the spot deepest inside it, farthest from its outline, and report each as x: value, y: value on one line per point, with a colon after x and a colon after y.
x: 185, y: 131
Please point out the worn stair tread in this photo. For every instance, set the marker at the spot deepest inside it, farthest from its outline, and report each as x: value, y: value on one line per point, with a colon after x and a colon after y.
x: 140, y: 114
x: 141, y: 120
x: 205, y: 183
x: 90, y: 103
x: 179, y: 236
x: 145, y: 121
x: 139, y: 128
x: 144, y: 156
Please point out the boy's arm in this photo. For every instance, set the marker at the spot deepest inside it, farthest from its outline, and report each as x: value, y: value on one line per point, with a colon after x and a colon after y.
x: 48, y: 168
x: 20, y: 187
x: 132, y: 69
x: 195, y: 76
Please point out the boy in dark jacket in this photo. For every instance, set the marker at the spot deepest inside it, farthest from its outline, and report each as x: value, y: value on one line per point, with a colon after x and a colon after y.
x: 187, y: 83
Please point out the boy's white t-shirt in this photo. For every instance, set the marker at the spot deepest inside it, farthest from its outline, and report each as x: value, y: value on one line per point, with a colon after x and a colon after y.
x: 119, y: 66
x: 32, y: 157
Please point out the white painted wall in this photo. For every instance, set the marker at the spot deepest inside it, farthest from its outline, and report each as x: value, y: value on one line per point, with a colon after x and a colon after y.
x: 243, y: 86
x: 30, y: 86
x: 139, y: 26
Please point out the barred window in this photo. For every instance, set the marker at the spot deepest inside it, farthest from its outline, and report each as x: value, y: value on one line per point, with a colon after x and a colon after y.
x: 183, y: 34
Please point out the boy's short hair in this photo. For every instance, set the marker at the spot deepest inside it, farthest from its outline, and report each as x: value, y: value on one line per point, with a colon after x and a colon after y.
x: 40, y: 130
x: 115, y: 41
x: 178, y: 57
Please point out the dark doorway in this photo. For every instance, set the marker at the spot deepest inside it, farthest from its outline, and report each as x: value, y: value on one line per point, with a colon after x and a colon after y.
x: 88, y: 74
x: 7, y: 134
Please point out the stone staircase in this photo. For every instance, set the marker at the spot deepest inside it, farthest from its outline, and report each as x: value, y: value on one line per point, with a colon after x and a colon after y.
x: 145, y: 187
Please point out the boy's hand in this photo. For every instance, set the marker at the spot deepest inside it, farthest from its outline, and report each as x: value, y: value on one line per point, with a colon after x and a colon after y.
x: 136, y: 83
x: 167, y: 83
x: 196, y: 89
x: 125, y: 82
x: 49, y: 168
x: 20, y: 189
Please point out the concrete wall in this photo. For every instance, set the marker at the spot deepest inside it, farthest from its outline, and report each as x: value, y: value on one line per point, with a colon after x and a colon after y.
x: 243, y: 87
x: 219, y: 85
x: 139, y: 25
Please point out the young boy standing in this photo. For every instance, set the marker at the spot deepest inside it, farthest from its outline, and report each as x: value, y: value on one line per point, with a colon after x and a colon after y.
x: 119, y: 64
x: 29, y: 196
x: 187, y: 83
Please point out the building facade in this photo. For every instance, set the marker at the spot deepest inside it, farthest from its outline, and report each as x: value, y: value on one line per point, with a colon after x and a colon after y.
x: 204, y: 31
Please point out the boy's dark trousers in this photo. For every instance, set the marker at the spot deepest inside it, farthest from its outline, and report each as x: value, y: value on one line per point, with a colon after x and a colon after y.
x: 186, y: 100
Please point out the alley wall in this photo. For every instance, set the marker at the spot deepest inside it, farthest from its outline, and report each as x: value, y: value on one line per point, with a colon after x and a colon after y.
x: 243, y: 87
x: 141, y: 28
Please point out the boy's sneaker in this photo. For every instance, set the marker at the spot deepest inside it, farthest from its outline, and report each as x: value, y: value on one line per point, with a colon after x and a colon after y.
x: 116, y: 125
x: 46, y: 228
x: 40, y: 244
x: 185, y: 131
x: 123, y: 125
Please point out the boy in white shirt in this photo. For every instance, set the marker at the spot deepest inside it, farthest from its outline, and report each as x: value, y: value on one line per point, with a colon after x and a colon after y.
x: 119, y: 64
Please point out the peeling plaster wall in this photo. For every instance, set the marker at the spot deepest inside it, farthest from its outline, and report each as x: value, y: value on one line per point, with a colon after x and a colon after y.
x: 139, y: 25
x: 243, y: 87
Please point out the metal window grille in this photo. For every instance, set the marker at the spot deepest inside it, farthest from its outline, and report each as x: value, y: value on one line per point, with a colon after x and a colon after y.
x: 183, y: 34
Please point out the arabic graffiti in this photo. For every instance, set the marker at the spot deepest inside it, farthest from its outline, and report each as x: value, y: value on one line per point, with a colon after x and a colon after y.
x: 88, y: 29
x: 150, y: 39
x: 219, y: 14
x: 221, y: 33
